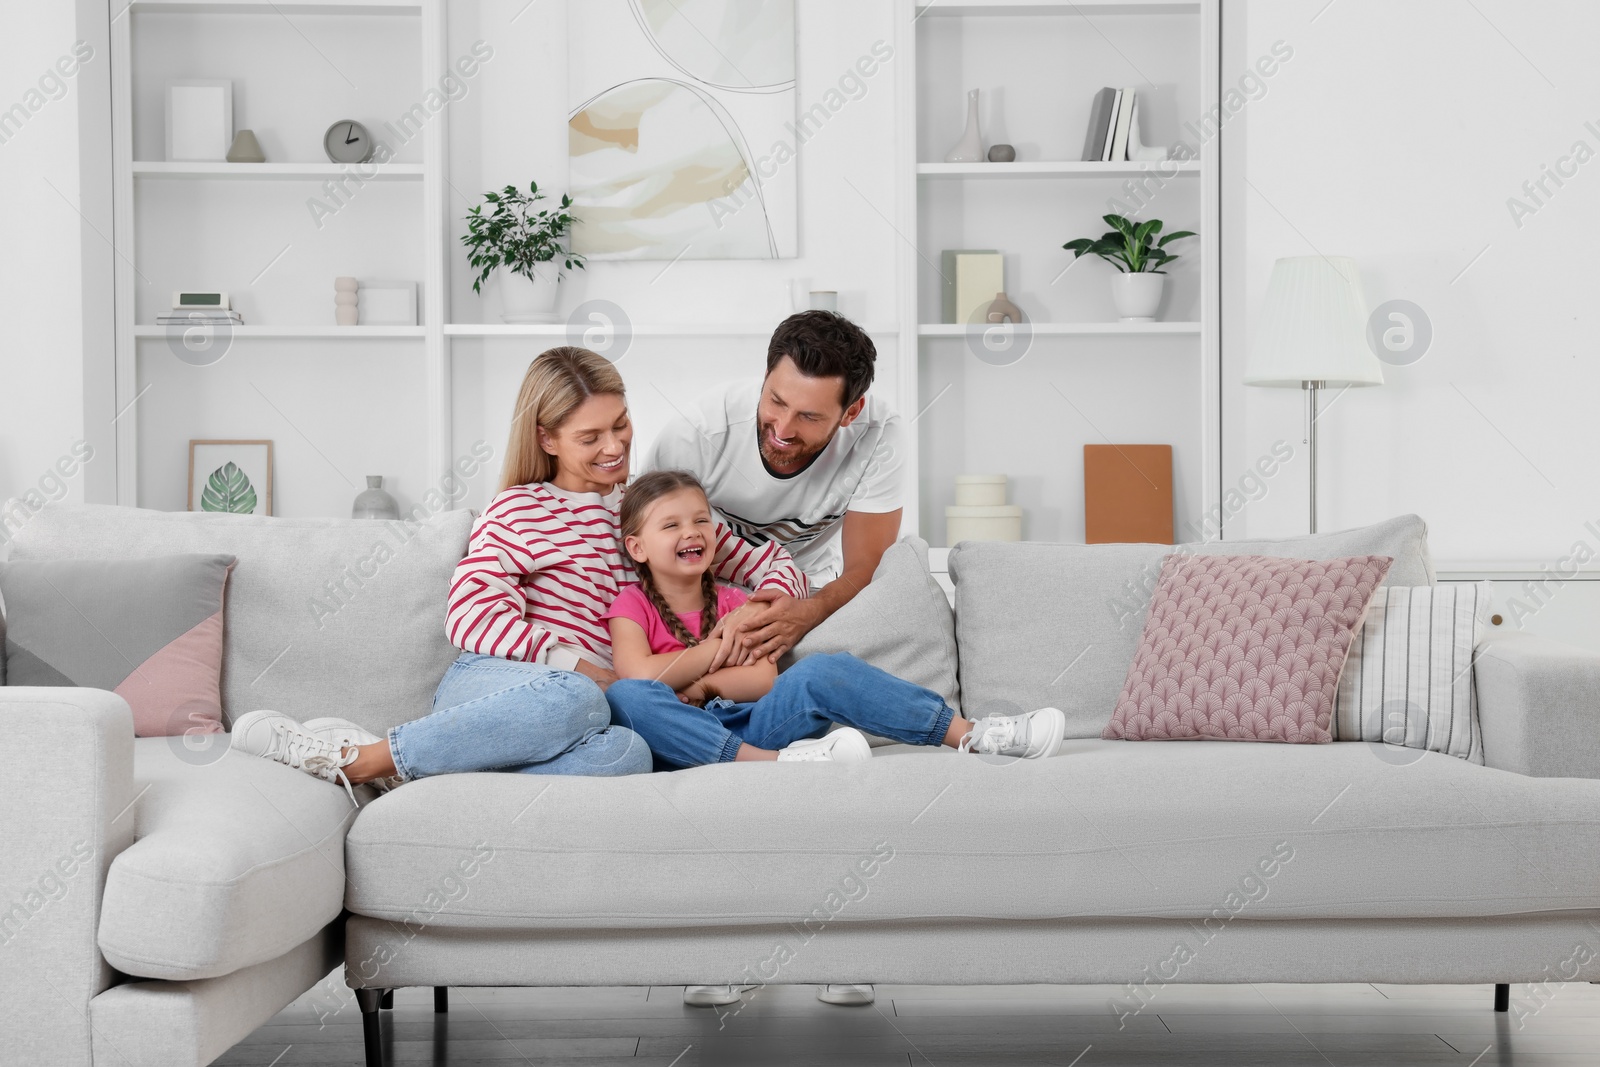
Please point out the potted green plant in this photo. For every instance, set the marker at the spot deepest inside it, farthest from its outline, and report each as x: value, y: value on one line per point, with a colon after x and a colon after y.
x: 1132, y: 248
x: 527, y: 242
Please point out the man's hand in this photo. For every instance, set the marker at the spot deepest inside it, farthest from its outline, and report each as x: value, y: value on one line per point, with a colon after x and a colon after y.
x: 600, y: 676
x: 726, y: 632
x: 775, y: 625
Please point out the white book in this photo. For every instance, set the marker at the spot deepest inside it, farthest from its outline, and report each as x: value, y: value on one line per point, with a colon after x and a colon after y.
x: 1119, y: 150
x: 1111, y: 127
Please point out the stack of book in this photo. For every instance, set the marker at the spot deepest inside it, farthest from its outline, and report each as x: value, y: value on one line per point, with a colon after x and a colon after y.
x: 1110, y: 118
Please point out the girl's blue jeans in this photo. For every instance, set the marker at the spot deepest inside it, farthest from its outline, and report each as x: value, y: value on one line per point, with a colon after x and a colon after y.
x: 807, y: 699
x: 496, y: 714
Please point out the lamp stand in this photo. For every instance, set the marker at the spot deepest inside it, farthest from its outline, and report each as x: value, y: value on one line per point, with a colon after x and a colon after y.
x: 1311, y: 386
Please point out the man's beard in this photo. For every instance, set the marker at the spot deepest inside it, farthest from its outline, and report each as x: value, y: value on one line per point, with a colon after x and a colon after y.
x: 784, y: 461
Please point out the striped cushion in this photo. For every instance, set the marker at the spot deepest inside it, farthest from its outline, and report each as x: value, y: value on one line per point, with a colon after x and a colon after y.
x: 1408, y: 678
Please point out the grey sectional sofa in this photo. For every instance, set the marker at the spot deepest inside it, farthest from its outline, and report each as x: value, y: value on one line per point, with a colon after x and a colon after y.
x: 201, y: 891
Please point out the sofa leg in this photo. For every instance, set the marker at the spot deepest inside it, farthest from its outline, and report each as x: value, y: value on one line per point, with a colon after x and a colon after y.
x: 387, y: 1003
x: 371, y: 1024
x: 441, y: 999
x: 1502, y: 996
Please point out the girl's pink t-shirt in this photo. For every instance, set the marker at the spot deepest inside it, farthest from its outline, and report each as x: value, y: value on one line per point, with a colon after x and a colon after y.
x: 632, y: 603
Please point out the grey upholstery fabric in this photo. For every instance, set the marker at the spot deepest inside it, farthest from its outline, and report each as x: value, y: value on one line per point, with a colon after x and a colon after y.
x: 238, y: 860
x: 1538, y: 706
x: 67, y: 782
x: 900, y: 622
x: 1057, y: 625
x: 323, y: 616
x: 1130, y: 829
x: 190, y: 1024
x: 1523, y: 948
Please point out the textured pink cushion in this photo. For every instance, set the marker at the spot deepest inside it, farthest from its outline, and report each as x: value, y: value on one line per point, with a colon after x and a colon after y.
x: 1244, y: 648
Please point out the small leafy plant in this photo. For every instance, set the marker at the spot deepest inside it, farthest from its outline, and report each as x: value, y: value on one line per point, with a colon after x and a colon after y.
x: 515, y: 236
x: 1130, y: 246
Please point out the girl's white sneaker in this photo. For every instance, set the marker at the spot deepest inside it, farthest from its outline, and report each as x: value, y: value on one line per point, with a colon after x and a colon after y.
x: 275, y: 736
x: 848, y: 745
x: 1035, y: 735
x: 345, y: 733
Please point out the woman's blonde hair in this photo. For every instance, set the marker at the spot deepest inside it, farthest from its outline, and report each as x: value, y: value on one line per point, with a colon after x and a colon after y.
x: 557, y: 382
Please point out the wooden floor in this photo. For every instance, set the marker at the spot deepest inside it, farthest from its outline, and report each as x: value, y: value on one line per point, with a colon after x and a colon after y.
x: 946, y: 1026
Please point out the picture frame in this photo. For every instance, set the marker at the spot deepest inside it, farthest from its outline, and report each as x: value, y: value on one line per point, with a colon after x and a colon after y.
x: 199, y: 120
x: 245, y: 490
x: 387, y: 303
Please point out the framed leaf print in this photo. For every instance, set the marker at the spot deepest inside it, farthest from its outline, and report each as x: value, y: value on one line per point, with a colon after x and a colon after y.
x: 231, y: 477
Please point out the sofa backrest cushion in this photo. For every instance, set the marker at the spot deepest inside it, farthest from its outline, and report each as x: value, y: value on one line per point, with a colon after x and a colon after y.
x: 1057, y: 625
x: 900, y: 623
x: 334, y: 617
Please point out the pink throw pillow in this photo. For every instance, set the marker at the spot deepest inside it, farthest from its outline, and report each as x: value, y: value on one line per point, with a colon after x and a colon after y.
x: 1244, y: 648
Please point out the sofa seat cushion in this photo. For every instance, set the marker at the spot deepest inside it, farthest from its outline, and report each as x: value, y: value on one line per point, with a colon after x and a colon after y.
x: 236, y: 860
x: 1175, y: 829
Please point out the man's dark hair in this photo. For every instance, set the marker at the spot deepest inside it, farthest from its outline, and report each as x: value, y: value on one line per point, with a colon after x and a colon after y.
x: 824, y: 344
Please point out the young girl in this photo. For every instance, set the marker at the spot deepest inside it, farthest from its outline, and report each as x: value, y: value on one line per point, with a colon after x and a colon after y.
x: 671, y: 646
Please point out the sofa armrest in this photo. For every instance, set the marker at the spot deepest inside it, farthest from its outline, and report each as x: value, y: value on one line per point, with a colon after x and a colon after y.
x: 66, y: 797
x: 1538, y: 706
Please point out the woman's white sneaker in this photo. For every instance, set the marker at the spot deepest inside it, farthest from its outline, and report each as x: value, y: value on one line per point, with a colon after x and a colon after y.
x: 275, y: 736
x: 1035, y: 735
x: 848, y: 745
x: 345, y: 733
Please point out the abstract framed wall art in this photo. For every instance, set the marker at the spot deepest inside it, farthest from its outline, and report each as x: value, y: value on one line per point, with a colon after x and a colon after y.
x: 680, y: 129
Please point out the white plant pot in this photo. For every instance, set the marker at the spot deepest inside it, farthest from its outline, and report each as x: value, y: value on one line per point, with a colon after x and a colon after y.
x: 1137, y: 296
x: 522, y: 300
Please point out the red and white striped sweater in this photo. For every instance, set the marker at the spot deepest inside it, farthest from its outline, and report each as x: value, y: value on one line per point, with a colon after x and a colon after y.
x: 544, y: 564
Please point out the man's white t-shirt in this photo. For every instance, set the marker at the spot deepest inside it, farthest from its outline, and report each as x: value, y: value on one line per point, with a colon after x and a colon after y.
x: 859, y: 470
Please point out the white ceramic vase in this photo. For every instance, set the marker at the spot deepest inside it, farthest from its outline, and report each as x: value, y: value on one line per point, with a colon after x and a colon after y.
x: 1137, y: 296
x: 970, y: 148
x: 525, y: 300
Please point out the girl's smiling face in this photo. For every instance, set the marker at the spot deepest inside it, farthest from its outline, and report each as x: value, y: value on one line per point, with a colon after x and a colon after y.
x: 677, y: 535
x: 591, y: 446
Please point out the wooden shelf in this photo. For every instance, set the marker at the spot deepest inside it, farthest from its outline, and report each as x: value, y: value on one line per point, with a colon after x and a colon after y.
x: 1067, y: 329
x: 1059, y: 7
x: 1057, y: 169
x: 280, y: 171
x: 285, y: 7
x: 342, y: 333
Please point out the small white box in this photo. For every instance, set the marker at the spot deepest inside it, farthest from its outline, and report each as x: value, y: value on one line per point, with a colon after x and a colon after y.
x: 199, y: 120
x: 388, y: 303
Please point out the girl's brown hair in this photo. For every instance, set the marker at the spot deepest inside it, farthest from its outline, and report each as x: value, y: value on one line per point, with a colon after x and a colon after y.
x: 558, y: 380
x: 635, y: 502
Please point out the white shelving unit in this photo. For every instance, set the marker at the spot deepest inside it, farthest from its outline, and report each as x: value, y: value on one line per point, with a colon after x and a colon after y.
x: 297, y: 66
x: 1038, y: 64
x: 169, y: 214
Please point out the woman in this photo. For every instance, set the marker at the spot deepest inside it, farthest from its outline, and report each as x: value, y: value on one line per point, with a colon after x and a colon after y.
x: 544, y: 562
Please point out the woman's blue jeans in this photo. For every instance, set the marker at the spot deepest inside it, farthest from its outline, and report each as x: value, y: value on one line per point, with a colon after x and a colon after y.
x: 807, y: 699
x: 497, y: 714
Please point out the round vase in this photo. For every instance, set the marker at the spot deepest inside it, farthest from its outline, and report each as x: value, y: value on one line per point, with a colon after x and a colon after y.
x: 1137, y: 296
x: 527, y: 300
x: 374, y: 502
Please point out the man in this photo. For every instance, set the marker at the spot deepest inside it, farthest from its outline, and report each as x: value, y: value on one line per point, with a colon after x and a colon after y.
x: 806, y: 458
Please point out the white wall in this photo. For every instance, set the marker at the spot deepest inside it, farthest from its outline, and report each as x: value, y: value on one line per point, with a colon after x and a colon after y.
x: 1396, y: 135
x: 41, y: 373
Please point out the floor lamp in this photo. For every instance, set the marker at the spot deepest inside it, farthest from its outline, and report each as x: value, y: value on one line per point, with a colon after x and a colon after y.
x: 1313, y: 336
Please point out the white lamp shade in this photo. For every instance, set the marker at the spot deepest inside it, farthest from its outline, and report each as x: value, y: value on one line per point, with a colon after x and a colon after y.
x: 1313, y: 326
